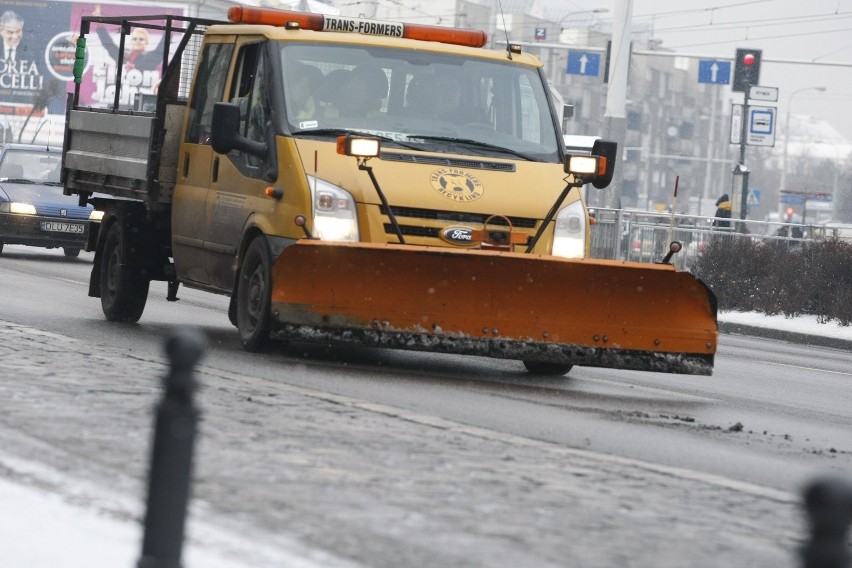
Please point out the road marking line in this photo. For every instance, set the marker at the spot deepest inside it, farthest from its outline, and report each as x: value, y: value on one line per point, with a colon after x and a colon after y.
x: 799, y: 367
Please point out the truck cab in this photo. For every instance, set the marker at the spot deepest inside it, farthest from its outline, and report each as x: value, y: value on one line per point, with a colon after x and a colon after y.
x: 465, y: 133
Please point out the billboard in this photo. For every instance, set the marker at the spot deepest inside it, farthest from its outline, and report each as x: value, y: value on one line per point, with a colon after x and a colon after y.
x: 36, y: 72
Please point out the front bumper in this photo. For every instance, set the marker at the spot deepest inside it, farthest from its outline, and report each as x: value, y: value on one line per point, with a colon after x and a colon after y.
x: 46, y: 232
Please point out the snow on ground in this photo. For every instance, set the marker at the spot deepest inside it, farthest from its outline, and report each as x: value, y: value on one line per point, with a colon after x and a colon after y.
x: 41, y: 529
x: 802, y: 324
x: 51, y: 520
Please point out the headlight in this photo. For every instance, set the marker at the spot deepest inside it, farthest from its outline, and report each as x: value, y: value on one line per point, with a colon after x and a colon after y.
x: 96, y: 215
x: 569, y: 235
x: 335, y: 218
x: 20, y: 208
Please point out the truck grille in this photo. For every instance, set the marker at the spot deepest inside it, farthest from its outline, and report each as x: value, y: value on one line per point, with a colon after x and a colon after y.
x: 456, y: 217
x: 428, y: 223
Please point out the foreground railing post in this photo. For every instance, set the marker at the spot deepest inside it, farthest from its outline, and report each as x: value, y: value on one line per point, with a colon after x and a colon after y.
x: 171, y: 455
x: 828, y: 503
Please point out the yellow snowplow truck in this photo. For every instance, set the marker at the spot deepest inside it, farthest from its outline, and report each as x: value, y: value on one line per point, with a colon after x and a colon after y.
x: 351, y: 181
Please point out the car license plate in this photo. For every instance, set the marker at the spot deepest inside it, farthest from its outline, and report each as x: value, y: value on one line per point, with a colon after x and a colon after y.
x: 59, y: 227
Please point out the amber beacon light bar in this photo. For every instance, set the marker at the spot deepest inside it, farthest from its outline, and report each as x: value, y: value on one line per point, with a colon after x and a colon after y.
x: 326, y: 23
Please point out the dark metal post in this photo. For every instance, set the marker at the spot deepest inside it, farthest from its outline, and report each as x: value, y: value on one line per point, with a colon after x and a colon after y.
x: 739, y: 191
x: 828, y: 503
x: 171, y: 455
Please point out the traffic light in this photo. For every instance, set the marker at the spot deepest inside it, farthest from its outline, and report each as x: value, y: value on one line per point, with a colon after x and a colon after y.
x: 746, y: 69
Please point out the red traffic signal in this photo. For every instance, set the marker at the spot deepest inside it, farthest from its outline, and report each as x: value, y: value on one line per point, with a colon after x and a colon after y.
x: 746, y: 69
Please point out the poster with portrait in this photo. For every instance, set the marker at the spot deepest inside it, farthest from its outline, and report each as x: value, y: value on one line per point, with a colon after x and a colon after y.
x: 43, y: 35
x: 142, y: 63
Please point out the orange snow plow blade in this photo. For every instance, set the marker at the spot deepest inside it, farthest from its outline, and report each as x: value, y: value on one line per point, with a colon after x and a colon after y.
x: 595, y: 313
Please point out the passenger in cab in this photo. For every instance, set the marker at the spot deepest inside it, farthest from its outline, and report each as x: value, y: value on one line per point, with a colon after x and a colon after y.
x: 451, y: 104
x: 303, y: 80
x: 361, y: 92
x: 420, y: 96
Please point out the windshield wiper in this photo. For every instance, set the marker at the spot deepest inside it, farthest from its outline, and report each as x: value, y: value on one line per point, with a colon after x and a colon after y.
x: 17, y: 180
x: 476, y: 143
x: 339, y: 131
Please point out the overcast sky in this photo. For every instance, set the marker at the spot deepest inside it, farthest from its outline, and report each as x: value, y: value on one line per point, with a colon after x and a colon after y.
x: 816, y: 33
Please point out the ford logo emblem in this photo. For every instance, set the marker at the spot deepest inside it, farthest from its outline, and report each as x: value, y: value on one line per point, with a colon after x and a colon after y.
x: 462, y: 236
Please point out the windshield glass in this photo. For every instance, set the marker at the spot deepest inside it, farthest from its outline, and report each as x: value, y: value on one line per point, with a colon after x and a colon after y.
x: 32, y: 165
x: 456, y: 104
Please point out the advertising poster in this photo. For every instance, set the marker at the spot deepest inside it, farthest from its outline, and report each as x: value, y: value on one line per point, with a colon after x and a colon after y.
x: 36, y: 70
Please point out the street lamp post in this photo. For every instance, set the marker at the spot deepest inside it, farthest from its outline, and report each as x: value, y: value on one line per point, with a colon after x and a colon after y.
x: 590, y: 11
x: 783, y: 184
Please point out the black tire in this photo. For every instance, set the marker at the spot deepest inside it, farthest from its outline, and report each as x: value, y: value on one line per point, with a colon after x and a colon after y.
x: 546, y: 369
x: 254, y: 296
x: 122, y: 296
x: 71, y: 252
x: 1, y: 247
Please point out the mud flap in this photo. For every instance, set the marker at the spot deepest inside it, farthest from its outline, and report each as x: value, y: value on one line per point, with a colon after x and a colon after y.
x: 598, y: 313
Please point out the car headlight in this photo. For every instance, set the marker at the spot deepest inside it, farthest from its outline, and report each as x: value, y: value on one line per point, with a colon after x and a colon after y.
x: 335, y: 217
x: 96, y: 215
x: 18, y: 208
x: 569, y: 235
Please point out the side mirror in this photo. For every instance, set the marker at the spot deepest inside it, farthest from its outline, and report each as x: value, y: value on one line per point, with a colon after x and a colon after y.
x: 608, y: 150
x: 226, y: 135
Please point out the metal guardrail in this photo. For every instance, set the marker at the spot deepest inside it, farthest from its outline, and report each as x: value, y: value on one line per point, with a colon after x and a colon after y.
x: 644, y: 236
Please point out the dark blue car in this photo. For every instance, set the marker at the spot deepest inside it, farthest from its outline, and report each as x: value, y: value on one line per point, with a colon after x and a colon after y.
x: 33, y: 210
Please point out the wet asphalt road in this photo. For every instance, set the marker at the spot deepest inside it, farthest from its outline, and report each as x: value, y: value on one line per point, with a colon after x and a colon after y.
x: 397, y: 459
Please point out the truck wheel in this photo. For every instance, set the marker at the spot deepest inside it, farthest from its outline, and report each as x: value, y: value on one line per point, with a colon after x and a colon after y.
x: 1, y: 247
x: 254, y: 292
x: 71, y: 252
x: 545, y: 369
x: 122, y: 296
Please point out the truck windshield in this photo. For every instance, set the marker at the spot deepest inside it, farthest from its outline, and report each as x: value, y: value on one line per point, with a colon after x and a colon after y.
x: 424, y: 100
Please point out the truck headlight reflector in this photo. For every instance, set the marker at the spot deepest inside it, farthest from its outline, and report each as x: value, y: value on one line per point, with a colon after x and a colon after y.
x: 334, y: 214
x: 569, y: 233
x: 96, y: 215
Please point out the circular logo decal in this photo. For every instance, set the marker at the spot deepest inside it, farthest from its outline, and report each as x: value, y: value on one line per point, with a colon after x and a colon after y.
x: 456, y: 184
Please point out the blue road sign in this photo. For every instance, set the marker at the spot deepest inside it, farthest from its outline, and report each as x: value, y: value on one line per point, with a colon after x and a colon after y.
x: 714, y: 71
x: 584, y: 62
x: 753, y: 197
x: 792, y: 199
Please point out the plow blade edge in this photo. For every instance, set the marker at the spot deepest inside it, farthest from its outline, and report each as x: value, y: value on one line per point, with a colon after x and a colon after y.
x: 594, y: 313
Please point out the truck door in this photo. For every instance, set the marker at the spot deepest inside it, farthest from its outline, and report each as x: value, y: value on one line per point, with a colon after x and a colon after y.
x: 197, y: 164
x: 237, y: 191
